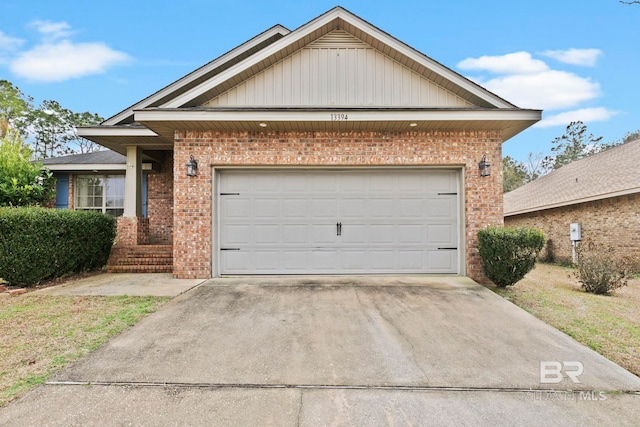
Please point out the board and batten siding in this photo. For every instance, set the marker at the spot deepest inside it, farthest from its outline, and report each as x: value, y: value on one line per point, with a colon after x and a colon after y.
x: 338, y: 70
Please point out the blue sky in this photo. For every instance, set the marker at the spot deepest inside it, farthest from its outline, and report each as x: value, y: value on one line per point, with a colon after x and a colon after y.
x: 576, y: 60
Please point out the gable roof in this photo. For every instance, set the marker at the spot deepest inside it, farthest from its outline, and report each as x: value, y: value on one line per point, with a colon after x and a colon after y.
x: 104, y: 160
x: 190, y: 102
x: 611, y: 173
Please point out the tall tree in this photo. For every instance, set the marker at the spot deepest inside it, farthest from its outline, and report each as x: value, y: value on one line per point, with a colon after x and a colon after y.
x: 83, y: 145
x: 51, y: 124
x: 574, y: 145
x: 14, y: 108
x: 514, y: 174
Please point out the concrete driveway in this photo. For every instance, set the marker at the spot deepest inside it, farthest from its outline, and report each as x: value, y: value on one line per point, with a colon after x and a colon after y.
x: 336, y: 351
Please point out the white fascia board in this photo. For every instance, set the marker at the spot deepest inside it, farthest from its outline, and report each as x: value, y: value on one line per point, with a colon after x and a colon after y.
x: 335, y: 115
x: 314, y: 25
x: 277, y: 29
x: 86, y: 167
x: 575, y: 201
x: 114, y: 131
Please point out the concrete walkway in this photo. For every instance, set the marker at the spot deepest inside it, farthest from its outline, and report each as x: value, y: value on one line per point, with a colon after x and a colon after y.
x: 335, y: 351
x: 114, y: 284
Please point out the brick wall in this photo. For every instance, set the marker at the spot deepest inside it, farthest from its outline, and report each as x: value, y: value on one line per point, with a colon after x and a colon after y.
x: 132, y: 231
x: 193, y: 197
x: 613, y: 222
x: 160, y: 202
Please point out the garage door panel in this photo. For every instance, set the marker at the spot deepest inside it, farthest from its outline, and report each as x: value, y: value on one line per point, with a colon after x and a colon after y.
x: 294, y: 183
x: 382, y: 261
x: 411, y: 208
x: 236, y: 234
x: 441, y: 261
x: 322, y: 234
x: 442, y: 234
x: 382, y: 234
x: 409, y: 183
x: 324, y: 261
x: 381, y: 183
x: 357, y: 234
x: 236, y: 208
x: 411, y: 233
x: 441, y: 207
x: 382, y: 208
x: 295, y: 208
x: 324, y: 182
x: 443, y: 181
x: 266, y: 208
x: 324, y: 207
x: 266, y: 260
x: 269, y: 182
x: 357, y: 182
x: 236, y: 261
x: 285, y: 222
x: 354, y: 260
x: 409, y: 260
x: 266, y: 234
x: 351, y: 207
x: 295, y: 233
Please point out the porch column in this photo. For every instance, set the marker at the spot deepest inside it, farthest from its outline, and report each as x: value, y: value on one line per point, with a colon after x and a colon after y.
x: 133, y: 183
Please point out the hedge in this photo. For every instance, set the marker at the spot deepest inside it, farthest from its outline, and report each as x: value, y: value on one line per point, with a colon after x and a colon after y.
x: 508, y: 254
x: 38, y: 243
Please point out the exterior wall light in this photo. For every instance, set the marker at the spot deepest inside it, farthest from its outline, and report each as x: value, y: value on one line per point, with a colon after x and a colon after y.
x: 484, y: 166
x: 192, y: 167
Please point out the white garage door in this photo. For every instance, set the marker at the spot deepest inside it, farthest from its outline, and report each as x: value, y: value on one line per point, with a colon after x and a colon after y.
x: 339, y: 221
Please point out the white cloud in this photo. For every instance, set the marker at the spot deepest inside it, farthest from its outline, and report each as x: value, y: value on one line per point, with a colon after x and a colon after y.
x: 548, y: 90
x: 583, y: 57
x: 52, y: 31
x: 9, y: 44
x: 586, y: 115
x: 511, y: 63
x: 57, y: 58
x: 64, y: 60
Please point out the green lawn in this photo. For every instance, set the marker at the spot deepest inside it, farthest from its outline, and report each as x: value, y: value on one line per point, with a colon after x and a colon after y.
x: 42, y: 334
x: 609, y: 325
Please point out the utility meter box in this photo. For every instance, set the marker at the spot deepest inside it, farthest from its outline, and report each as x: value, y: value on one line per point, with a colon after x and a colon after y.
x: 575, y: 232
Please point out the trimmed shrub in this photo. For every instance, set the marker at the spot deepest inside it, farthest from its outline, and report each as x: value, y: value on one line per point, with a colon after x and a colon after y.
x: 600, y: 270
x: 508, y: 254
x: 38, y: 243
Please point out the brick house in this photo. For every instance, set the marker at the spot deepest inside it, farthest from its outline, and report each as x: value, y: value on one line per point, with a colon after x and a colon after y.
x: 600, y: 192
x: 330, y: 149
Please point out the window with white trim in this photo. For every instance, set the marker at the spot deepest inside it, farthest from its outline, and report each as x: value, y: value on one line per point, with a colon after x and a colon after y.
x: 104, y: 193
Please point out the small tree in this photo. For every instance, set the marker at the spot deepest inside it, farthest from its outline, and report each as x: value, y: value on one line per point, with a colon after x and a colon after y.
x: 22, y: 183
x: 508, y: 254
x: 600, y: 270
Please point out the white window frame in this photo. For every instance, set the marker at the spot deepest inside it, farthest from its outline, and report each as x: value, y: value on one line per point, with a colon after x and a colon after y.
x: 103, y: 208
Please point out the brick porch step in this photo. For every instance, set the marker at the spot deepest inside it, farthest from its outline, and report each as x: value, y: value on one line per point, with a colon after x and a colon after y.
x: 141, y: 259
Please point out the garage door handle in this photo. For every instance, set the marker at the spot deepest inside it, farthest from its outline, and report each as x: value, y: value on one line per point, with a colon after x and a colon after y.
x: 339, y: 229
x: 447, y: 249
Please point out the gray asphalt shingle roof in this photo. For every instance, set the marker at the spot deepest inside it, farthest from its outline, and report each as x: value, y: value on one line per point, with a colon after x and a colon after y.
x: 607, y: 174
x: 98, y: 157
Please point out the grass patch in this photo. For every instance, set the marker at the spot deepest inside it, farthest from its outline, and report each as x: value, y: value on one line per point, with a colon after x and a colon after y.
x: 609, y: 325
x: 42, y: 334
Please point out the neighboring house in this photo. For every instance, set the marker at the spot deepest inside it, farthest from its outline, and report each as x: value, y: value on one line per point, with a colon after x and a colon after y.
x: 600, y: 192
x: 331, y: 149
